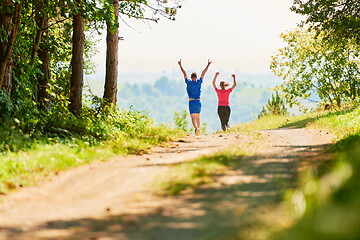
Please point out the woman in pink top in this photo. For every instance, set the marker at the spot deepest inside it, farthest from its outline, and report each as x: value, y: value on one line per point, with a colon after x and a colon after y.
x: 223, y: 100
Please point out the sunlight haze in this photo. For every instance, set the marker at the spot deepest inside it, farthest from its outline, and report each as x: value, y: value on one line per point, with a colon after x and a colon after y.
x: 235, y: 34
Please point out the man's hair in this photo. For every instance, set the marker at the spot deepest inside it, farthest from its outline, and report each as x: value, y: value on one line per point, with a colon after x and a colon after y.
x: 193, y: 75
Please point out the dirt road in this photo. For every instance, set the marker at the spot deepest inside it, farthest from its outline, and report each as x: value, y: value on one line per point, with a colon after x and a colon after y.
x: 115, y: 200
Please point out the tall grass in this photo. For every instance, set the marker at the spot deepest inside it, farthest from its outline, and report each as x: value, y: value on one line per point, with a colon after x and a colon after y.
x: 325, y: 205
x: 331, y: 200
x: 29, y: 157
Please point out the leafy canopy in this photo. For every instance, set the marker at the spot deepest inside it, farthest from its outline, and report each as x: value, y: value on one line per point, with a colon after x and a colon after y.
x: 339, y: 19
x: 309, y: 64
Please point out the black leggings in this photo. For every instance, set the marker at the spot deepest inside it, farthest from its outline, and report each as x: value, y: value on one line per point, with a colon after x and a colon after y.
x: 224, y: 115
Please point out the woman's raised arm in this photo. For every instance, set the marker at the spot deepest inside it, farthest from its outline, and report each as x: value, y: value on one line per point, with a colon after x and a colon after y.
x: 214, y: 80
x: 235, y: 84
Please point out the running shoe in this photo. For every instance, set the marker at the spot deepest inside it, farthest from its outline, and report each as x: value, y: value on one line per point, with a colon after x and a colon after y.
x: 197, y: 131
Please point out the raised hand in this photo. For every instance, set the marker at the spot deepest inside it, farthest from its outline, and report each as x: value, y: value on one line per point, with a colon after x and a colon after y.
x: 182, y: 69
x: 235, y: 84
x: 214, y: 80
x: 206, y: 68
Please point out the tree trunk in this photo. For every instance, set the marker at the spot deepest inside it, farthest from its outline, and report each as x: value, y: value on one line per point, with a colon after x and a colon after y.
x: 7, y: 80
x: 41, y: 22
x: 111, y: 76
x: 77, y: 65
x: 44, y: 56
x: 41, y: 49
x: 40, y: 84
x: 9, y: 24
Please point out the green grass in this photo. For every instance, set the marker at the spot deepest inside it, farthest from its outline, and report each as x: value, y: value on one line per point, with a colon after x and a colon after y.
x: 25, y: 168
x: 340, y: 123
x: 129, y: 133
x: 273, y: 122
x: 331, y: 199
x: 345, y: 125
x: 188, y: 176
x: 328, y: 198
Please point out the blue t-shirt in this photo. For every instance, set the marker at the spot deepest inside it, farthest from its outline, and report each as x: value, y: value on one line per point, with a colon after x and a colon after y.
x: 193, y: 88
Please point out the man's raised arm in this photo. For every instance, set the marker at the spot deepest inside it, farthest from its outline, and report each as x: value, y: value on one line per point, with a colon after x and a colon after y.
x: 182, y: 69
x: 206, y: 68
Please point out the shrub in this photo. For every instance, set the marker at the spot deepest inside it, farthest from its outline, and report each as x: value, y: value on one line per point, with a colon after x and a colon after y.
x: 274, y: 106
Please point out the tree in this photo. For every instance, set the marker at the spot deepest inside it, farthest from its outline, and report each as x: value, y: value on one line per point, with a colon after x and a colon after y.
x: 35, y: 58
x: 309, y: 64
x: 167, y: 87
x: 44, y: 78
x: 112, y: 46
x: 41, y: 48
x: 275, y: 106
x: 9, y: 27
x: 132, y: 9
x: 77, y: 63
x: 339, y: 19
x: 181, y: 120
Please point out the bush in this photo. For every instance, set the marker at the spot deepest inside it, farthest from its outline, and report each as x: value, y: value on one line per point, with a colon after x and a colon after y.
x: 181, y: 120
x: 96, y: 124
x: 275, y: 106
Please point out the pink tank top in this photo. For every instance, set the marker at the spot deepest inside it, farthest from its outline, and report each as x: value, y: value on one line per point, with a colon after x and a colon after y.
x: 223, y: 96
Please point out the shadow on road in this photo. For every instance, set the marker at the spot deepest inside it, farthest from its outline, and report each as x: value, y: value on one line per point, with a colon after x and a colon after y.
x: 217, y: 211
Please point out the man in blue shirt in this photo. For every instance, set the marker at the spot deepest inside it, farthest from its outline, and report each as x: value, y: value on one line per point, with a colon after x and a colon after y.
x: 193, y: 89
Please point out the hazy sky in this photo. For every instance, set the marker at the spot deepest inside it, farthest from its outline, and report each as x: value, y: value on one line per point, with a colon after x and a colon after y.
x: 235, y: 34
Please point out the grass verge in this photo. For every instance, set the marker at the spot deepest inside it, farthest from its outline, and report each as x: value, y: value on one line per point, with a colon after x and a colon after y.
x: 188, y: 176
x: 324, y: 204
x: 330, y: 200
x: 135, y: 134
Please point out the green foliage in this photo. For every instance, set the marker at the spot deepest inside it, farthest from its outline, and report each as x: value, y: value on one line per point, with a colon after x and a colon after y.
x: 310, y: 64
x: 6, y: 105
x: 25, y: 168
x: 344, y: 124
x: 21, y: 126
x: 60, y: 140
x: 325, y: 204
x: 181, y: 120
x: 275, y: 106
x: 332, y: 196
x: 190, y: 175
x: 27, y: 67
x: 139, y: 9
x: 203, y: 128
x: 338, y: 19
x: 329, y: 200
x: 27, y: 133
x: 24, y: 126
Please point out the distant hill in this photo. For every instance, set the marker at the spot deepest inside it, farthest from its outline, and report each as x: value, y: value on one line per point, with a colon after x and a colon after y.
x: 167, y: 94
